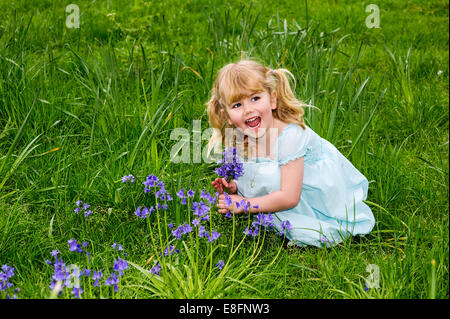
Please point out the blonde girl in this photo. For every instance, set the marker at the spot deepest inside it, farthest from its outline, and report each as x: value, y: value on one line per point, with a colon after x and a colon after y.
x: 313, y: 192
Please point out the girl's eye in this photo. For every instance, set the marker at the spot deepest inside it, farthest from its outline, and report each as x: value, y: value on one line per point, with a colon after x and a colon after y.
x: 255, y: 98
x: 236, y: 105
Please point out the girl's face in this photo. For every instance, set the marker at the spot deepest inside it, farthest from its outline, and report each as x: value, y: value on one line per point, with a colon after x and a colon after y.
x: 253, y: 113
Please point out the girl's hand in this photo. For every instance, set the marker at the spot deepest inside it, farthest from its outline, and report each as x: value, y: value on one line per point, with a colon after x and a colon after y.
x: 224, y: 208
x: 221, y: 183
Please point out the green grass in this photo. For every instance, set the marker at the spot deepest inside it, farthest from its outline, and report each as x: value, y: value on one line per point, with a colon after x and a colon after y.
x: 80, y: 108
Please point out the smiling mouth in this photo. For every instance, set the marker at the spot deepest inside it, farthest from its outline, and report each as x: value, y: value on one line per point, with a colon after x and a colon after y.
x: 254, y: 122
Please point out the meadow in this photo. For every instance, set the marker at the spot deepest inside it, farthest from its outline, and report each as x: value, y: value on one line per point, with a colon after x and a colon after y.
x: 82, y: 108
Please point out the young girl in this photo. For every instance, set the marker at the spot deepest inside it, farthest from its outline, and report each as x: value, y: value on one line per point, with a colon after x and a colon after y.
x: 315, y: 194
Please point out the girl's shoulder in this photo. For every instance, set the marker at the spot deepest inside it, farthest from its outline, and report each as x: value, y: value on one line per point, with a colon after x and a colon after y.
x: 291, y: 129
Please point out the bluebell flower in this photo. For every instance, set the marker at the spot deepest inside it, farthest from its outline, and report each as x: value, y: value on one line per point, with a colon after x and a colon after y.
x: 208, y: 197
x: 54, y: 252
x: 6, y: 273
x: 200, y: 209
x: 177, y: 233
x: 120, y: 265
x: 182, y: 196
x: 86, y: 272
x: 76, y: 291
x: 152, y: 181
x: 113, y: 280
x: 220, y: 264
x: 228, y: 201
x: 128, y: 178
x: 214, y: 236
x: 231, y: 167
x: 156, y: 269
x: 187, y: 228
x: 74, y: 246
x: 324, y: 240
x: 87, y: 213
x: 96, y: 276
x: 190, y: 193
x: 286, y: 226
x: 265, y: 220
x: 170, y: 250
x: 117, y: 246
x: 202, y: 231
x: 84, y: 207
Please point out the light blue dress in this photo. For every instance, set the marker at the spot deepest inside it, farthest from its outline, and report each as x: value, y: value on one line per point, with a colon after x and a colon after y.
x: 331, y: 206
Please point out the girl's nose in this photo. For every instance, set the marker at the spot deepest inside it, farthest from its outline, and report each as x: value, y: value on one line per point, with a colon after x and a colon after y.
x: 247, y: 107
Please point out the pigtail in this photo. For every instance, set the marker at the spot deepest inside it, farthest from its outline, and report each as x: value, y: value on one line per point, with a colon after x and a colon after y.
x: 215, y: 121
x: 289, y: 108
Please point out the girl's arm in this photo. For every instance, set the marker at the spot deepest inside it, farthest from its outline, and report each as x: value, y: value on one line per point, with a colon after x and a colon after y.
x: 286, y: 198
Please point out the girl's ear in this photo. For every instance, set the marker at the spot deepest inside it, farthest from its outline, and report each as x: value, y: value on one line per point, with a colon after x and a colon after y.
x: 273, y: 100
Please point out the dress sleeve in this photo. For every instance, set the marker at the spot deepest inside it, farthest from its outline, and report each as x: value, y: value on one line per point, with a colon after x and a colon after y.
x: 292, y: 144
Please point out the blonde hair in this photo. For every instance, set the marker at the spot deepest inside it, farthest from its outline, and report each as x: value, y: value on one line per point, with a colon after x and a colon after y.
x: 234, y: 79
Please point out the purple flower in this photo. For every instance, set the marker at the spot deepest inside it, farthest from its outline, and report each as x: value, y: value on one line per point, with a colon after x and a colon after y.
x: 200, y: 209
x: 220, y: 264
x: 117, y: 246
x: 120, y: 265
x: 170, y: 225
x: 170, y: 250
x: 208, y: 197
x: 86, y: 272
x: 96, y: 276
x: 156, y: 269
x: 144, y: 212
x: 214, y: 236
x: 231, y: 167
x: 180, y: 194
x: 113, y: 280
x: 128, y: 178
x: 251, y: 232
x: 324, y: 240
x: 152, y: 181
x: 74, y: 246
x: 76, y: 291
x: 6, y: 273
x: 54, y: 252
x: 265, y: 220
x: 84, y: 207
x: 181, y: 230
x: 177, y: 233
x: 202, y: 231
x: 228, y: 200
x: 286, y: 226
x: 87, y: 213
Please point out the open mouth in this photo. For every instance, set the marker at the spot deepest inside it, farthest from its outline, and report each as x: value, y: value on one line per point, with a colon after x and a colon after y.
x: 253, y: 122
